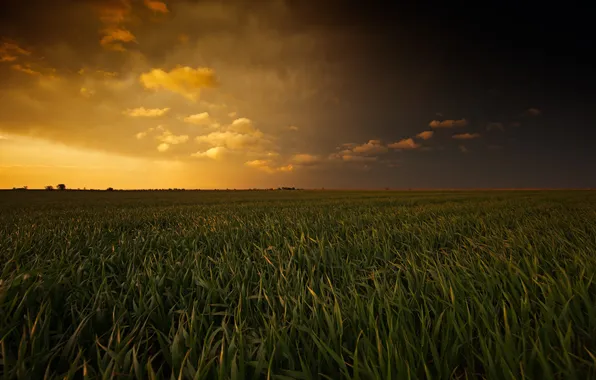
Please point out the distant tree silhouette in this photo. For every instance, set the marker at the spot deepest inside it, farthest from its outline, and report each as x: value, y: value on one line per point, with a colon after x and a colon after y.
x: 61, y: 186
x: 110, y: 189
x: 49, y: 187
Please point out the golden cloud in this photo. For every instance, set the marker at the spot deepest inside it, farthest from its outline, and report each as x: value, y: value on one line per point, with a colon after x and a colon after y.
x: 202, y: 118
x: 234, y: 141
x: 25, y: 69
x: 425, y: 135
x: 185, y: 81
x: 240, y: 136
x: 166, y: 137
x: 42, y: 72
x: 363, y: 153
x: 243, y: 125
x: 112, y: 13
x: 143, y: 134
x: 172, y: 139
x: 10, y: 51
x: 404, y: 144
x: 266, y: 166
x: 370, y: 148
x: 215, y: 153
x: 146, y: 112
x: 257, y: 163
x: 157, y: 6
x: 448, y: 123
x: 87, y: 92
x: 113, y: 36
x: 466, y: 136
x: 163, y: 147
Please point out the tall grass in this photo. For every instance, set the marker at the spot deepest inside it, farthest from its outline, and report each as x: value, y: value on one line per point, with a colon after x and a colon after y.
x: 304, y: 285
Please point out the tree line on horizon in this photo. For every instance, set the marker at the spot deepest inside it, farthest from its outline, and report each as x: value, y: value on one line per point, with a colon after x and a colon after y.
x: 62, y: 187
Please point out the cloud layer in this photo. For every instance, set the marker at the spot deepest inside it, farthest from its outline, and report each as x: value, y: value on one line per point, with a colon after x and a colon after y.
x: 425, y: 135
x: 448, y: 123
x: 405, y: 144
x: 466, y: 136
x: 145, y: 112
x: 185, y: 80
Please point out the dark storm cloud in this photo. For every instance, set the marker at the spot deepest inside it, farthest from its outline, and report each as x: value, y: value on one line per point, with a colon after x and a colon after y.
x: 64, y: 33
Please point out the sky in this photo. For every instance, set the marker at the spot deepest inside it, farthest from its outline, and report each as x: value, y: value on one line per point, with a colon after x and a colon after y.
x: 313, y: 94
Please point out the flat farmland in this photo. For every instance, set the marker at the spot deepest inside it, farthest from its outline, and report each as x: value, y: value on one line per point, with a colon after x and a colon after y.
x: 298, y: 284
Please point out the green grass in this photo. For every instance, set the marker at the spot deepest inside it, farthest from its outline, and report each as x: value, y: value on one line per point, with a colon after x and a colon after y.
x: 304, y: 285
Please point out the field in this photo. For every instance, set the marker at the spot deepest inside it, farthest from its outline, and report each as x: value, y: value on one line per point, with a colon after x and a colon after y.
x: 298, y: 285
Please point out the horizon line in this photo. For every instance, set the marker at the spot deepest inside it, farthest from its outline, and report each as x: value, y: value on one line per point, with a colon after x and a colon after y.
x: 288, y: 188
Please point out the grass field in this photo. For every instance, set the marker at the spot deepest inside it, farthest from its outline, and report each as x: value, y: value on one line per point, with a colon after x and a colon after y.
x: 298, y: 284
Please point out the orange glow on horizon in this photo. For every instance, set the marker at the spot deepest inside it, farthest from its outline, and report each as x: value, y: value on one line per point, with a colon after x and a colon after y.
x: 37, y: 163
